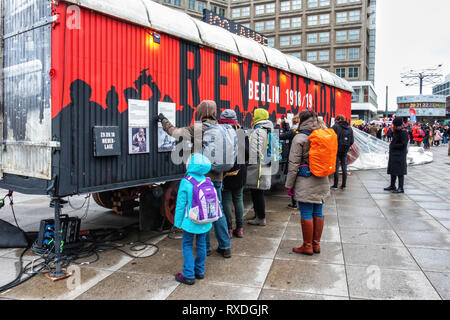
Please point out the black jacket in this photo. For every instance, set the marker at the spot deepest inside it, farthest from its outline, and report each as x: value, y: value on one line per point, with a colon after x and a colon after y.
x: 236, y: 182
x: 339, y: 126
x: 398, y: 150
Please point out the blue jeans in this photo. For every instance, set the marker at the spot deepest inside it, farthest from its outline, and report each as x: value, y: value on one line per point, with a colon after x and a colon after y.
x: 235, y: 197
x: 220, y: 226
x: 308, y: 210
x: 192, y: 267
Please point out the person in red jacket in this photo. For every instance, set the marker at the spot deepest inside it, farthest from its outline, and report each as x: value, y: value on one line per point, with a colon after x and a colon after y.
x: 418, y: 135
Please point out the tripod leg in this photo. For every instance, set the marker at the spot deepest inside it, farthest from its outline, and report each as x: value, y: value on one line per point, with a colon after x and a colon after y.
x: 59, y: 272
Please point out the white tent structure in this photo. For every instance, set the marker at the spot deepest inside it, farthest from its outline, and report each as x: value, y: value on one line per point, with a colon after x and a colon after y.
x: 370, y: 153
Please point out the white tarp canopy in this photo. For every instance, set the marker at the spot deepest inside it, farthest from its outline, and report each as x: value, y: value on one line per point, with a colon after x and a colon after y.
x: 179, y: 24
x: 374, y: 153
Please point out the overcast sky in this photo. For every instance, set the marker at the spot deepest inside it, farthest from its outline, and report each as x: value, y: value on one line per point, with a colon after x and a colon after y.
x: 410, y: 34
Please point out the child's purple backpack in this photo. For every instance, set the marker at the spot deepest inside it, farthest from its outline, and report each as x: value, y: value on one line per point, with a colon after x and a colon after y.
x: 205, y: 203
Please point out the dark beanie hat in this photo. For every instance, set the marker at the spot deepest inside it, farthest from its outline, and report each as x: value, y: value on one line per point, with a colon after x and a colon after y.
x: 397, y: 122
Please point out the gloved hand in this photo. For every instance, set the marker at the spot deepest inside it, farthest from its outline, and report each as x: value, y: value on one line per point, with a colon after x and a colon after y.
x: 290, y: 192
x: 161, y: 117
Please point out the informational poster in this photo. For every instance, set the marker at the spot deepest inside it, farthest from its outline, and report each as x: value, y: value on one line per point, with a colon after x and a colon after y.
x: 139, y: 140
x: 165, y: 142
x: 139, y: 124
x: 138, y: 114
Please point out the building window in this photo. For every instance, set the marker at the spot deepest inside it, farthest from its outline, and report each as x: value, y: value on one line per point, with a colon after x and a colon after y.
x: 285, y: 6
x: 341, y: 54
x: 312, y: 56
x: 324, y: 37
x: 340, y: 72
x: 353, y: 34
x: 353, y: 72
x: 353, y: 53
x: 177, y: 2
x: 271, y: 42
x: 245, y: 12
x: 284, y: 41
x: 218, y: 10
x: 341, y: 17
x: 270, y: 25
x: 296, y: 54
x: 191, y: 4
x: 312, y: 37
x: 354, y: 15
x: 259, y: 9
x: 167, y: 1
x: 285, y: 23
x: 259, y: 26
x: 296, y: 40
x: 296, y: 22
x: 324, y: 19
x: 313, y: 3
x: 324, y: 3
x: 341, y: 35
x: 201, y: 6
x: 312, y: 20
x: 324, y: 55
x: 270, y: 8
x: 296, y: 4
x: 247, y: 25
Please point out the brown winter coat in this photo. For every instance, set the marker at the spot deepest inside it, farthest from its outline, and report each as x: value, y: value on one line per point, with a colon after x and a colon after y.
x: 206, y: 112
x: 306, y: 189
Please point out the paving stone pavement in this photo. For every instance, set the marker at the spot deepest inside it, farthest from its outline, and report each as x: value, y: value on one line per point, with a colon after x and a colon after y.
x: 375, y: 245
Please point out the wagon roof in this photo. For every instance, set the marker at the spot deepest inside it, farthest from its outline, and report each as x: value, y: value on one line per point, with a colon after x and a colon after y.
x: 177, y: 23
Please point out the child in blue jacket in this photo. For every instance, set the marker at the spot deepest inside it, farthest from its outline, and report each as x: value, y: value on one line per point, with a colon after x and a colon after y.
x: 197, y: 167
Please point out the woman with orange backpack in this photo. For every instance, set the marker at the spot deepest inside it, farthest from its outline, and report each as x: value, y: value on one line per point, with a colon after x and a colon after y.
x: 303, y: 182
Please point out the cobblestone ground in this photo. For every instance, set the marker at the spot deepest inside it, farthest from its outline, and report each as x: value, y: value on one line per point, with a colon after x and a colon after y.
x: 376, y: 245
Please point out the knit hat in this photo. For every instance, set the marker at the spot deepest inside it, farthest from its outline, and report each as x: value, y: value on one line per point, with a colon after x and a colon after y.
x: 260, y: 115
x: 397, y: 122
x: 228, y: 114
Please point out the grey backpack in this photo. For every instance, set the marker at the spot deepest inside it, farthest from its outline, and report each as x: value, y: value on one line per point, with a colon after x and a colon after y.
x: 220, y: 146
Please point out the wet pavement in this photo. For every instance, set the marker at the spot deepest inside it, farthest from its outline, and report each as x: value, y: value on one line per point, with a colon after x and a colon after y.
x: 375, y: 245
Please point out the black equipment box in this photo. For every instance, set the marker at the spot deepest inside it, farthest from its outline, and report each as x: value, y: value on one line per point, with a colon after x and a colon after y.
x: 70, y: 227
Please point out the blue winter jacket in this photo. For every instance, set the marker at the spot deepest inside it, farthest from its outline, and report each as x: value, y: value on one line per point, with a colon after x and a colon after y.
x: 198, y: 167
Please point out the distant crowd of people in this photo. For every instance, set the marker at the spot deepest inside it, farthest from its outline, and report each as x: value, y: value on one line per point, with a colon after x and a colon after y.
x: 418, y: 134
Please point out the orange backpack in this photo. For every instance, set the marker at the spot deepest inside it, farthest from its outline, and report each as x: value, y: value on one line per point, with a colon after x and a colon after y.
x: 323, y: 152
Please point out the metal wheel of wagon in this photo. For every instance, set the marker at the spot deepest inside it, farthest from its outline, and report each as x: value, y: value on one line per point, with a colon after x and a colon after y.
x: 104, y: 199
x: 170, y: 200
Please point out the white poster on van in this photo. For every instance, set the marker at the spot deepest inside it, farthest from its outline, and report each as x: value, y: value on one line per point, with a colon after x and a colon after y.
x: 165, y: 142
x: 138, y: 113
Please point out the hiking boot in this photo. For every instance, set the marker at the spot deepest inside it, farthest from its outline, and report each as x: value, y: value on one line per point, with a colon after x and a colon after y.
x: 239, y: 233
x: 257, y: 222
x: 200, y: 276
x: 399, y: 190
x: 391, y: 188
x: 308, y: 230
x: 180, y: 278
x: 317, y: 234
x: 230, y: 233
x: 226, y: 253
x: 292, y: 206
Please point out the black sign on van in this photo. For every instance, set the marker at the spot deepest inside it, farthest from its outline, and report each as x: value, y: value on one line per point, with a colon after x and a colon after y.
x: 106, y: 141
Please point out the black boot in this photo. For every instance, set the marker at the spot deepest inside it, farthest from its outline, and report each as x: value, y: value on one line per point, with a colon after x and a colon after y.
x: 401, y: 181
x: 392, y: 186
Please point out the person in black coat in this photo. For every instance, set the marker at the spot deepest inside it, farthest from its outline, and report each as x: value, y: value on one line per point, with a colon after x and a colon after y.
x: 289, y: 135
x: 397, y: 165
x: 345, y: 140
